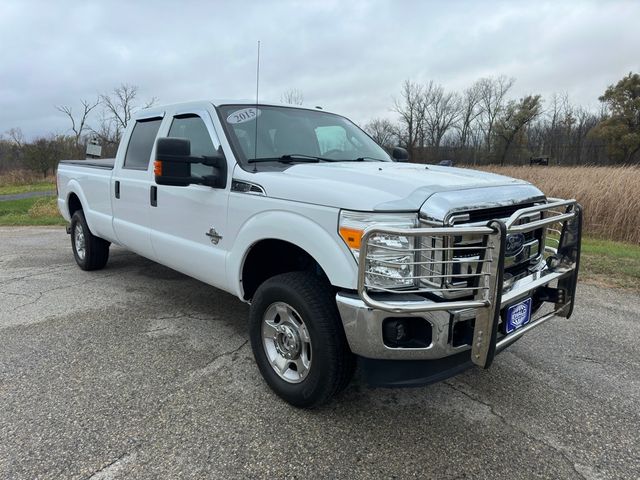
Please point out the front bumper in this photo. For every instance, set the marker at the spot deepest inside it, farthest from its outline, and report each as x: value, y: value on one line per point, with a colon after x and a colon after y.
x: 364, y: 313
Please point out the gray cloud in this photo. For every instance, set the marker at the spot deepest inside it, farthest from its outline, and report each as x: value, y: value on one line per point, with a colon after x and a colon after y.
x: 350, y: 57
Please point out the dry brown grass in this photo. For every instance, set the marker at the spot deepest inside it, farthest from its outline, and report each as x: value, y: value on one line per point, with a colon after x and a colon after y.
x: 24, y: 177
x: 44, y: 207
x: 610, y: 195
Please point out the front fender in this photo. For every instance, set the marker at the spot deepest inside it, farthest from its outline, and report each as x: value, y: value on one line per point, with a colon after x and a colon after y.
x: 326, y: 247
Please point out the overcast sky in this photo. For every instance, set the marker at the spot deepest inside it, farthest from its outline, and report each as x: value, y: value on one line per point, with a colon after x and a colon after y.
x: 348, y: 56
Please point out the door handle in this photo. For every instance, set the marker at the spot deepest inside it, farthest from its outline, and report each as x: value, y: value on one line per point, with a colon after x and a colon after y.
x: 117, y: 188
x: 153, y: 196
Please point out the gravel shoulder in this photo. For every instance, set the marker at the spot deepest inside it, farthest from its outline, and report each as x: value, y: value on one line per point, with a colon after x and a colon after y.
x: 137, y: 371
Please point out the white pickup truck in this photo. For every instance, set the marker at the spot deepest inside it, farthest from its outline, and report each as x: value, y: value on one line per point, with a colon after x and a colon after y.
x: 345, y: 253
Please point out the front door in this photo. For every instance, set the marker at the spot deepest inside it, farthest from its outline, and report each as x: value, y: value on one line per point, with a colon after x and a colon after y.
x: 188, y: 223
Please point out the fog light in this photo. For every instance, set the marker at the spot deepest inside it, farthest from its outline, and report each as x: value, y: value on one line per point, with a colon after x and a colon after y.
x: 409, y: 332
x: 394, y: 331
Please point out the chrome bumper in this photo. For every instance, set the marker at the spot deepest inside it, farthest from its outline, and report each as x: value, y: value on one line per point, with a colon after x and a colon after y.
x: 363, y: 313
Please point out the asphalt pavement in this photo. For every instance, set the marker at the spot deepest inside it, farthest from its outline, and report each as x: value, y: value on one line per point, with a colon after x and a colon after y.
x: 20, y: 196
x: 137, y: 371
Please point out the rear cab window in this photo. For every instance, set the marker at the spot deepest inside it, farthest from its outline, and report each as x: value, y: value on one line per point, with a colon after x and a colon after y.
x: 141, y: 143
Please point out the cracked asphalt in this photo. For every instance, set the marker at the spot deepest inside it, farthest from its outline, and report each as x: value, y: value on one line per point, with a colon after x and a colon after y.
x: 137, y: 371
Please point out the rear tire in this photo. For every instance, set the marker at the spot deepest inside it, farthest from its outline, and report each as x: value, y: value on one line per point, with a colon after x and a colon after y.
x: 298, y: 340
x: 90, y: 252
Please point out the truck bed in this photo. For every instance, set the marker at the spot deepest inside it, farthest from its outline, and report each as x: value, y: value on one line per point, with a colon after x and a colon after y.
x: 90, y: 181
x: 106, y: 163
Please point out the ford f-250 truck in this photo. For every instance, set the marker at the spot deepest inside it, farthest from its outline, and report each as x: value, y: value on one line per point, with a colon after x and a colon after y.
x: 344, y: 252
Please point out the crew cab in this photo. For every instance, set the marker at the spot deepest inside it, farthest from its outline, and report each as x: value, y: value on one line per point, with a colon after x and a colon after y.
x: 346, y: 254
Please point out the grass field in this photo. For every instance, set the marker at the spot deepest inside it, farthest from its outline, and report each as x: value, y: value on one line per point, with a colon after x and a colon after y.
x: 610, y: 264
x: 34, y: 187
x: 22, y: 181
x: 30, y: 211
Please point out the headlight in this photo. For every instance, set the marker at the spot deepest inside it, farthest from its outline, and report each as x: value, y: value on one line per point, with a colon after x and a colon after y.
x: 390, y: 257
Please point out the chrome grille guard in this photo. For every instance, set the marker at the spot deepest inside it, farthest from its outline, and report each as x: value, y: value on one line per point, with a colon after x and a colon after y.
x: 562, y: 221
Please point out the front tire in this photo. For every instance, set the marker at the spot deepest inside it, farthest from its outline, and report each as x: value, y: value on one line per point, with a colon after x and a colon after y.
x: 90, y: 252
x: 297, y: 339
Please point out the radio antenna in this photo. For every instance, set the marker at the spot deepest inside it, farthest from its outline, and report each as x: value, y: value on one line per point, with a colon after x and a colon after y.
x: 255, y: 142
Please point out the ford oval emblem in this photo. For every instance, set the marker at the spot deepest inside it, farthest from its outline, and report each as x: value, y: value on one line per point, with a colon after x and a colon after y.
x: 514, y: 244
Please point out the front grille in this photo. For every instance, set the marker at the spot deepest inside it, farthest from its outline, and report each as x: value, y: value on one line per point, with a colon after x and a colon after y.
x: 457, y: 263
x: 487, y: 214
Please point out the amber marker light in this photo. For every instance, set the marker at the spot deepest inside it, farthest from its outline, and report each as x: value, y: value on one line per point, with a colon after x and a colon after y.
x: 157, y: 168
x: 351, y: 236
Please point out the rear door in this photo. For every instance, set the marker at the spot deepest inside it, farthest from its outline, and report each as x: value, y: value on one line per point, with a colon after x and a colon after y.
x: 189, y: 223
x: 131, y: 187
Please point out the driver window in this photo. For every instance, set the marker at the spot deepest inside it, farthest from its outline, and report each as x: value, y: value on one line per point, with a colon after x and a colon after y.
x: 193, y: 128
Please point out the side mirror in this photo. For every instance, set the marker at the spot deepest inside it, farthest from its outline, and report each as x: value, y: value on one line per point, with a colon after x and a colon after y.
x: 399, y: 154
x: 173, y: 165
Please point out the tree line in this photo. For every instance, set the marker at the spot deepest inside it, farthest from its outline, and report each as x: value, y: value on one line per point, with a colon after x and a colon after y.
x: 483, y: 124
x: 101, y: 120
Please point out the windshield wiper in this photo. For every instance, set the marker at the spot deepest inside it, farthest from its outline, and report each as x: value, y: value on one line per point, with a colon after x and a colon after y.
x: 360, y: 159
x: 301, y: 157
x: 294, y: 157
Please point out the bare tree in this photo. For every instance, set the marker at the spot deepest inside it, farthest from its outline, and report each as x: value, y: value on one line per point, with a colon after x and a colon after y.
x: 108, y: 134
x: 12, y: 149
x: 552, y: 137
x: 292, y: 96
x: 16, y: 136
x: 469, y: 112
x: 493, y: 96
x: 585, y: 121
x: 120, y: 104
x: 79, y: 125
x: 441, y: 111
x: 382, y: 131
x: 118, y: 109
x: 410, y: 107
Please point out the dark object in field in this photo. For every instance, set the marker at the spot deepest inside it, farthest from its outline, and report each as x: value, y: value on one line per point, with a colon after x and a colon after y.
x: 538, y: 161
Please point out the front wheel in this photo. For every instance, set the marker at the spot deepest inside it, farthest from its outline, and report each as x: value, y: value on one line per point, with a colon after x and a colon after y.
x: 297, y: 339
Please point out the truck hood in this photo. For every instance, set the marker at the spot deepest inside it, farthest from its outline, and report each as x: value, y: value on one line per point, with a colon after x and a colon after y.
x: 377, y: 186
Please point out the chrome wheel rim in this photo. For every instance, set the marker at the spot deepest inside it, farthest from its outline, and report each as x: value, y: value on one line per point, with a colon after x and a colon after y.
x: 78, y: 235
x: 286, y: 342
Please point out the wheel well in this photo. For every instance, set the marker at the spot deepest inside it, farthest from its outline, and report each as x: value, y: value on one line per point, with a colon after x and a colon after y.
x: 73, y: 204
x: 271, y: 257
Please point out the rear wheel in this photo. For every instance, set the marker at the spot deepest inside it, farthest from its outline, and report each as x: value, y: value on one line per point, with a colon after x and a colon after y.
x: 297, y: 339
x: 90, y: 252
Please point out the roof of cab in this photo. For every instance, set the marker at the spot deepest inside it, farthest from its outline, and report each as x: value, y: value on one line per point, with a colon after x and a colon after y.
x: 160, y: 110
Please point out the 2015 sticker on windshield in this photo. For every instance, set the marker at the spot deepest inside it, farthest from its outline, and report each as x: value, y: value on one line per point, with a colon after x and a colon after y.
x: 244, y: 115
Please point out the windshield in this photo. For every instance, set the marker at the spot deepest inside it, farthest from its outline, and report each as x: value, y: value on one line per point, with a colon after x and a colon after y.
x: 291, y: 134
